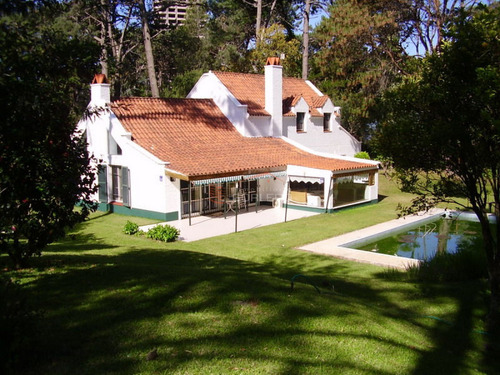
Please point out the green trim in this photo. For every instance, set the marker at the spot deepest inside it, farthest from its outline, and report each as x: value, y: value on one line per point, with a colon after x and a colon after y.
x: 305, y: 208
x: 367, y: 203
x: 122, y: 210
x: 331, y: 210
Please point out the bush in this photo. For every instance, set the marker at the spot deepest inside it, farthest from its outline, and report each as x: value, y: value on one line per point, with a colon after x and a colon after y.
x: 19, y: 324
x: 130, y: 228
x: 362, y: 155
x: 165, y: 233
x: 466, y: 264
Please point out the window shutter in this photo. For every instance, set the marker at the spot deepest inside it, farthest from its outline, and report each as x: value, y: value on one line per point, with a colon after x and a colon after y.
x: 102, y: 182
x: 125, y: 187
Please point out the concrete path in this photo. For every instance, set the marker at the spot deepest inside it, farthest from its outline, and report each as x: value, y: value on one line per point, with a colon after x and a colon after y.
x: 336, y: 246
x: 215, y: 225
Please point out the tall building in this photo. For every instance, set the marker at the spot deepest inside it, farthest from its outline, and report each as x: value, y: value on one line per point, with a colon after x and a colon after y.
x: 171, y: 12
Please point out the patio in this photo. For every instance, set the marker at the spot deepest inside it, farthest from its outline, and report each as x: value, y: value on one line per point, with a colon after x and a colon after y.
x: 215, y: 225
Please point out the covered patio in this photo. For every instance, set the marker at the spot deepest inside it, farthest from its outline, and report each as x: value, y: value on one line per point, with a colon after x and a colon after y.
x: 206, y: 226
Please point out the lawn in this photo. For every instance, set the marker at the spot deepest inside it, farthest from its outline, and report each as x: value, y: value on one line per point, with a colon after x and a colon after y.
x: 225, y: 306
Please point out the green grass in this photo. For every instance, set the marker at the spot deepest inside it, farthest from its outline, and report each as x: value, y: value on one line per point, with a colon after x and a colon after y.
x: 224, y: 305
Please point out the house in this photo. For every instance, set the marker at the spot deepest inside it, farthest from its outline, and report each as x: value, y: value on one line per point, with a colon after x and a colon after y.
x: 169, y: 159
x: 271, y: 105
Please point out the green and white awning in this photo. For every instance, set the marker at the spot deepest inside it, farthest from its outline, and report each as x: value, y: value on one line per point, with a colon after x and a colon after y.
x: 257, y: 176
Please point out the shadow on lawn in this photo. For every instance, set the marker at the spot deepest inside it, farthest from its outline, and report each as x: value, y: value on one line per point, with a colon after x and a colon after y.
x: 455, y: 337
x: 105, y: 313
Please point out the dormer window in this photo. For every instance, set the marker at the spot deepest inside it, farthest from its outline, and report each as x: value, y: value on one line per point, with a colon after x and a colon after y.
x: 326, y: 122
x: 300, y: 121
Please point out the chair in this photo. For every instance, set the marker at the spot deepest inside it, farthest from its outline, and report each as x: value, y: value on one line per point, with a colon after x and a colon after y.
x: 242, y: 200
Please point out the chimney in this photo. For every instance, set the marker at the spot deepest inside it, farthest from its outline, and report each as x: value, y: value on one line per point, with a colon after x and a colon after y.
x: 100, y: 91
x: 274, y: 94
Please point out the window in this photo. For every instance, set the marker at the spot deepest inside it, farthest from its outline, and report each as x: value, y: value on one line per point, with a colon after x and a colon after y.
x: 116, y: 178
x: 326, y: 122
x: 120, y: 186
x: 300, y: 121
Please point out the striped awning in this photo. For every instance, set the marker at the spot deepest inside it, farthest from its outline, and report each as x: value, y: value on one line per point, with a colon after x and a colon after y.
x: 312, y: 180
x: 258, y: 176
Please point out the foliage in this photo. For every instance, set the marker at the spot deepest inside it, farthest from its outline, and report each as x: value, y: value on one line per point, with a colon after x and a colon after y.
x: 164, y: 233
x: 44, y: 165
x: 274, y: 42
x: 130, y: 228
x: 442, y: 128
x: 465, y: 264
x: 359, y: 53
x: 362, y: 155
x: 428, y: 21
x: 18, y: 324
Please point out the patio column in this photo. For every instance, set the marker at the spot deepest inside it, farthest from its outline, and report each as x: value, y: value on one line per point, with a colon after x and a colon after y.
x: 286, y: 203
x: 189, y: 202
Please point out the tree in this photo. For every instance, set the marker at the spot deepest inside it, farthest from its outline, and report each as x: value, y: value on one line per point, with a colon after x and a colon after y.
x: 428, y: 21
x: 442, y: 130
x: 274, y: 43
x: 148, y: 49
x: 359, y: 54
x: 310, y: 7
x: 44, y: 165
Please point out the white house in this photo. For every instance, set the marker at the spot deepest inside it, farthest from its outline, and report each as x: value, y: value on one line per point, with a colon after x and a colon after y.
x: 172, y: 158
x: 271, y: 105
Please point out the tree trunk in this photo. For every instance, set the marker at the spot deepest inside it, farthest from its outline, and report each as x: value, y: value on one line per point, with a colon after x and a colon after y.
x: 305, y: 36
x: 149, y: 51
x: 102, y: 41
x: 492, y: 249
x: 258, y: 22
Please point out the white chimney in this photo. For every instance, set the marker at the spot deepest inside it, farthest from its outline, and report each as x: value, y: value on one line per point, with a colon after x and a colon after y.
x: 274, y: 94
x: 100, y: 91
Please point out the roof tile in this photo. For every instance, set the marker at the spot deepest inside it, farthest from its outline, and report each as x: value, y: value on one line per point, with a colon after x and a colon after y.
x: 249, y: 89
x: 195, y: 137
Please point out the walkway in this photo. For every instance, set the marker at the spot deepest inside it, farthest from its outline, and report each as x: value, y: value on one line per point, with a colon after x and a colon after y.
x: 334, y: 246
x: 215, y: 225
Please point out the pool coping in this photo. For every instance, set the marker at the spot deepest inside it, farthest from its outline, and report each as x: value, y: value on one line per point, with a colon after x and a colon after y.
x: 337, y: 246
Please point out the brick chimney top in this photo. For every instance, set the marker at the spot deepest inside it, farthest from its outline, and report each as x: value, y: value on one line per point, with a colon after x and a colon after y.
x: 273, y: 61
x: 100, y: 90
x: 100, y: 78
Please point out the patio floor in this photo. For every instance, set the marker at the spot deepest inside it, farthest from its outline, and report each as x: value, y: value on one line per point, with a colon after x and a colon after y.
x: 215, y: 225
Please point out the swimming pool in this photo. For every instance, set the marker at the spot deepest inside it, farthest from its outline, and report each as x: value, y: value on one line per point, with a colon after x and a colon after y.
x: 425, y: 239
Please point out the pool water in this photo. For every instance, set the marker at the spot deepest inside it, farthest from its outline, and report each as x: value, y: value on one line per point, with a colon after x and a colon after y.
x: 424, y: 241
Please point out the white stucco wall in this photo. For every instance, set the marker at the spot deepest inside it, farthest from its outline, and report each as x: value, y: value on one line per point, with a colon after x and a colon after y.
x: 338, y: 141
x: 210, y: 87
x: 270, y: 189
x: 150, y: 189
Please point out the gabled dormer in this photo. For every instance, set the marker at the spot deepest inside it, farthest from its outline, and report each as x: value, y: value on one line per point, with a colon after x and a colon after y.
x: 257, y: 107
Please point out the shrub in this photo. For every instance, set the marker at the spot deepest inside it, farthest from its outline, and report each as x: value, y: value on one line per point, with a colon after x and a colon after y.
x: 130, y: 228
x: 465, y: 264
x: 362, y: 155
x: 165, y: 233
x: 19, y: 326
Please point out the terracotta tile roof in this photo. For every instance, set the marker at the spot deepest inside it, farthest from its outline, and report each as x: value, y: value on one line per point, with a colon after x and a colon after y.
x: 249, y: 89
x: 198, y: 141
